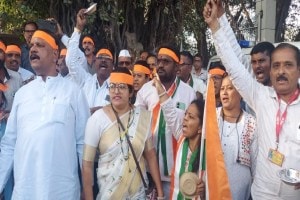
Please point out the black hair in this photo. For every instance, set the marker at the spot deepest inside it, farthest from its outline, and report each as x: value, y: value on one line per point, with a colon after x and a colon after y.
x: 188, y: 55
x: 173, y: 48
x: 125, y: 71
x: 29, y: 22
x: 200, y: 107
x: 216, y: 65
x: 151, y: 55
x: 289, y: 46
x: 263, y: 47
x: 198, y: 55
x: 142, y: 62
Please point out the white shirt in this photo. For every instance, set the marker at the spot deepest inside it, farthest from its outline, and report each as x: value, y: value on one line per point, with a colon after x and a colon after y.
x: 44, y: 140
x: 199, y: 86
x: 202, y: 75
x: 264, y: 101
x: 147, y: 98
x: 96, y: 95
x: 25, y: 74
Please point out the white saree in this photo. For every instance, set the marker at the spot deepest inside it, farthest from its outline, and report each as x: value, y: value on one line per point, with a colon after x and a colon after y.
x: 117, y: 174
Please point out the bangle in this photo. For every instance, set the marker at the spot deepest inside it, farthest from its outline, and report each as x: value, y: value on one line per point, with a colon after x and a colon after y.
x: 162, y: 94
x: 160, y: 198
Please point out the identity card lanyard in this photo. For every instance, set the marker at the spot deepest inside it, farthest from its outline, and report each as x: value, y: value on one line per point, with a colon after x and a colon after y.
x: 281, y: 119
x: 274, y: 155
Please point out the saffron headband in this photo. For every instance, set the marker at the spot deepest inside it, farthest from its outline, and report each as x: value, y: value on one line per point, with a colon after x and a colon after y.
x: 104, y: 51
x: 121, y: 78
x: 47, y: 37
x: 216, y: 71
x: 142, y: 69
x: 63, y: 52
x: 170, y: 53
x: 88, y: 39
x: 2, y: 46
x: 13, y: 48
x: 3, y: 87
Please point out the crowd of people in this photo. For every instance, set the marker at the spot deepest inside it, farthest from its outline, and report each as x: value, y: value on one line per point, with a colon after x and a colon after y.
x: 81, y: 124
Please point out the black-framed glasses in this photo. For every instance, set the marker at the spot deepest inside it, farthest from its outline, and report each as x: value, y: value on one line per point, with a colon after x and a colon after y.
x: 120, y: 86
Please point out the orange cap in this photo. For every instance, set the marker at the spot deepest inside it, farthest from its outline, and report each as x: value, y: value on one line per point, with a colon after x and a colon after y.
x: 170, y: 53
x: 88, y: 39
x: 45, y: 36
x: 2, y: 46
x: 121, y: 78
x: 104, y: 51
x: 13, y: 48
x: 63, y: 52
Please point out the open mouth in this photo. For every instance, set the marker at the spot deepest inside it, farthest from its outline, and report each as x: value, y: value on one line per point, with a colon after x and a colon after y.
x: 34, y: 57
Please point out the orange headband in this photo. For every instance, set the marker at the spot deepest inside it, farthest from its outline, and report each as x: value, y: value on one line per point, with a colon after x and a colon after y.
x: 3, y: 87
x: 142, y: 69
x: 104, y: 51
x: 47, y: 37
x: 121, y: 78
x: 170, y: 53
x: 88, y: 39
x: 13, y: 48
x: 63, y: 52
x: 2, y: 46
x: 216, y: 71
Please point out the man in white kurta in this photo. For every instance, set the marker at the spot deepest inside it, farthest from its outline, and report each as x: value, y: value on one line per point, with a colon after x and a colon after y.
x: 266, y: 102
x: 44, y: 136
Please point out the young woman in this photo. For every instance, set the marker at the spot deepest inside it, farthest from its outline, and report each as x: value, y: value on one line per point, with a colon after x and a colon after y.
x: 118, y: 176
x: 188, y: 151
x: 238, y: 138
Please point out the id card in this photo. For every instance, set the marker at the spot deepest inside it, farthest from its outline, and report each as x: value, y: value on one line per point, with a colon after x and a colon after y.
x: 276, y: 157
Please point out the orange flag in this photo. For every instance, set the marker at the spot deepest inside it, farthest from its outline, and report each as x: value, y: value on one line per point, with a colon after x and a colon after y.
x: 217, y: 180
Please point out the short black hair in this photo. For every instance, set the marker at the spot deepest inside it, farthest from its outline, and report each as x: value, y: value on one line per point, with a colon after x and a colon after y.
x: 187, y: 54
x: 142, y: 62
x: 262, y: 47
x: 289, y: 46
x: 216, y: 65
x: 29, y: 22
x: 198, y: 55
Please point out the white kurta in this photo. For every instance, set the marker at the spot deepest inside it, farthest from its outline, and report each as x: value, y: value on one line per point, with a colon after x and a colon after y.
x: 264, y: 101
x: 44, y: 139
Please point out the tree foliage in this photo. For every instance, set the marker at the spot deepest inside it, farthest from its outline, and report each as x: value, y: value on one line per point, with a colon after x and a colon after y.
x: 138, y: 24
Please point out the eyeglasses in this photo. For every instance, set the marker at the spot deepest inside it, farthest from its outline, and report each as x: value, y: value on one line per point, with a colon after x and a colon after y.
x: 121, y: 87
x: 104, y: 58
x: 121, y: 63
x: 164, y: 61
x: 29, y: 31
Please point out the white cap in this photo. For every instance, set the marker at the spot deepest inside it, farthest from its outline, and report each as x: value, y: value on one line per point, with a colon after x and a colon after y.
x: 124, y: 53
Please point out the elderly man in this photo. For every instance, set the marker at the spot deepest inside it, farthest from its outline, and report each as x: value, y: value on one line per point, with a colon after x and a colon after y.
x: 168, y: 92
x: 277, y: 110
x: 12, y: 62
x: 43, y: 141
x: 124, y: 59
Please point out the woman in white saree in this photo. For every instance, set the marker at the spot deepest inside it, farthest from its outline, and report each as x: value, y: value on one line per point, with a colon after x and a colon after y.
x: 117, y: 173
